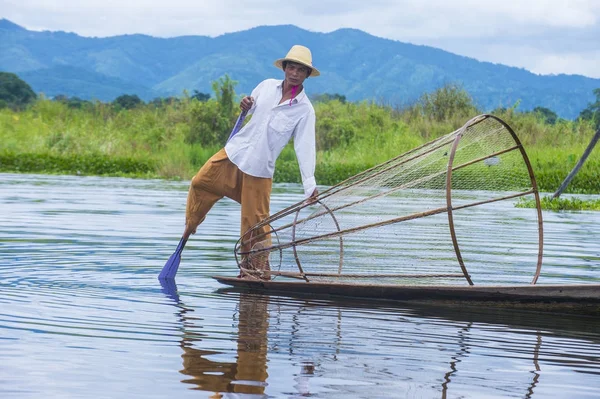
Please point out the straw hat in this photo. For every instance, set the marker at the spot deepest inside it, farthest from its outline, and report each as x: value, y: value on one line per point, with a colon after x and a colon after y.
x: 300, y: 55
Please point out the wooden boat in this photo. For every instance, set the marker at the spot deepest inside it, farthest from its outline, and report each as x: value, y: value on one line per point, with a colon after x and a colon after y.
x: 570, y: 298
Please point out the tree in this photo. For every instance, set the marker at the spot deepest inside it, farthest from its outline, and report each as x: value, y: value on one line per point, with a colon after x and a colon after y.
x: 550, y: 117
x: 72, y: 102
x: 62, y: 98
x: 224, y: 89
x: 211, y: 121
x: 200, y: 96
x: 14, y: 92
x: 325, y: 97
x: 447, y: 101
x: 592, y: 112
x: 162, y: 102
x: 127, y: 101
x: 76, y: 102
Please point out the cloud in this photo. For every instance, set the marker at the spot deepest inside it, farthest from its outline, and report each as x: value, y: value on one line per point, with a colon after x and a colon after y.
x: 466, y: 18
x: 576, y: 63
x: 553, y: 36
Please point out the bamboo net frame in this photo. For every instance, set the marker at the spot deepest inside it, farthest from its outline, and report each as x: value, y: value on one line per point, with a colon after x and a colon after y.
x: 484, y: 156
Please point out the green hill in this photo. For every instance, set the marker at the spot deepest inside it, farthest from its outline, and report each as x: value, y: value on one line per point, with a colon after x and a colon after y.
x: 353, y: 63
x: 79, y: 82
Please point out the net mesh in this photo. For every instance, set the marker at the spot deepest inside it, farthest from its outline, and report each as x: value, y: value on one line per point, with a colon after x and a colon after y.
x: 395, y: 223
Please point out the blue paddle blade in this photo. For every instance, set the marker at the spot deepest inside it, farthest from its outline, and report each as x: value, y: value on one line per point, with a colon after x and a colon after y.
x: 170, y: 269
x: 169, y: 288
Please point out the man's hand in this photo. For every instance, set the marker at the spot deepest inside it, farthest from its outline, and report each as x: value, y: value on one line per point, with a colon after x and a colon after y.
x: 313, y: 198
x: 246, y: 103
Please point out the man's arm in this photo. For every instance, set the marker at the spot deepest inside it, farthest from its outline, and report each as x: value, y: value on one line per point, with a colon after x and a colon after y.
x: 248, y: 103
x: 313, y: 197
x: 305, y: 147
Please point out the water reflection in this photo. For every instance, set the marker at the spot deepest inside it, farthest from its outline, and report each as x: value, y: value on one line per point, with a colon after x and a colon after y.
x: 464, y: 352
x: 536, y: 365
x: 248, y: 374
x: 520, y: 346
x: 394, y: 351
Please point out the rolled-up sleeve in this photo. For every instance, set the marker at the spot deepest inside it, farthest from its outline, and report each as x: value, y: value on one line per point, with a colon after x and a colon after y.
x: 304, y: 145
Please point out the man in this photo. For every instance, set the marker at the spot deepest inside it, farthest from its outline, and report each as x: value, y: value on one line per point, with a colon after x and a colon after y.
x: 243, y: 170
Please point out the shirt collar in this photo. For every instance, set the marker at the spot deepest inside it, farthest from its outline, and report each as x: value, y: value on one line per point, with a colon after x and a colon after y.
x: 299, y: 97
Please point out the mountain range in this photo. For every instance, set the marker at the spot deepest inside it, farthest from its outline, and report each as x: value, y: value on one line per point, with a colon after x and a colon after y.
x: 352, y: 63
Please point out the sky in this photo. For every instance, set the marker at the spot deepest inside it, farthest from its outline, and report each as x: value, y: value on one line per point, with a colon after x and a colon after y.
x: 543, y: 36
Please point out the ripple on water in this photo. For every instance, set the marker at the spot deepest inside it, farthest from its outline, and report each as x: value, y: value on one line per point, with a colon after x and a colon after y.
x: 82, y: 315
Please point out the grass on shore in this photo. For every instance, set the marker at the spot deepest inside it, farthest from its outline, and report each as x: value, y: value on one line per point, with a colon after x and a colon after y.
x: 168, y: 141
x: 561, y: 204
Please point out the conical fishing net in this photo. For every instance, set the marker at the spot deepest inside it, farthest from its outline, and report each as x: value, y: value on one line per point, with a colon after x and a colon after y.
x: 442, y: 213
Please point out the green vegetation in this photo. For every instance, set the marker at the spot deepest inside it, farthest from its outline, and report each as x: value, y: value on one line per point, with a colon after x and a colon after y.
x: 127, y: 101
x: 548, y: 115
x: 592, y: 112
x: 14, y: 92
x: 172, y: 138
x: 561, y: 204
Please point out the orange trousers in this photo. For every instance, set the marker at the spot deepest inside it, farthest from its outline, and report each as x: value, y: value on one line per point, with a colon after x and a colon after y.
x: 218, y: 178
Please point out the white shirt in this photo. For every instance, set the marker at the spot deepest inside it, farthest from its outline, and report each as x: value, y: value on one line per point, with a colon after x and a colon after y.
x: 255, y: 148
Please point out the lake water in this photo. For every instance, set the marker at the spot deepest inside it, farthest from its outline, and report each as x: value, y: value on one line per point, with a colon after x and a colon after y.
x: 82, y: 314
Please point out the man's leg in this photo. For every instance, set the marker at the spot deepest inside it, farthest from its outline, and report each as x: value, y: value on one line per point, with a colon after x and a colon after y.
x: 208, y: 186
x: 255, y: 200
